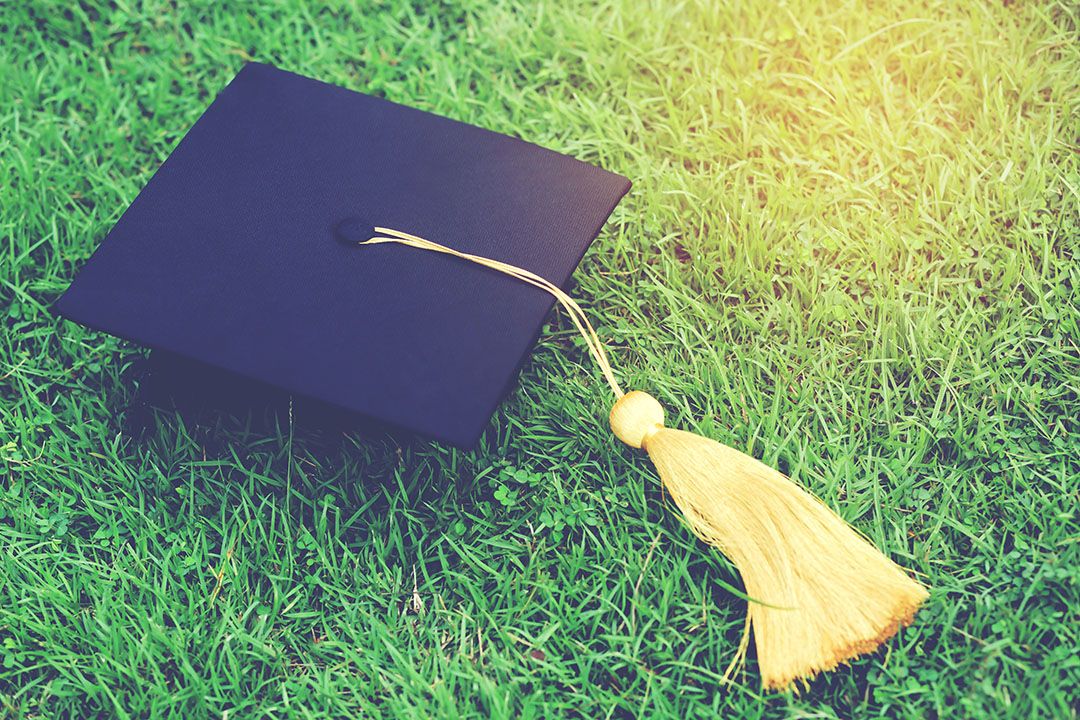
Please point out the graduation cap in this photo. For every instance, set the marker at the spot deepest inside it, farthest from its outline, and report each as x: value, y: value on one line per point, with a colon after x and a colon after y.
x: 400, y: 265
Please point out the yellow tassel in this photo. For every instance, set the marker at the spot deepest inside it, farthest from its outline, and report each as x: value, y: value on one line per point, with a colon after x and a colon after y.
x: 820, y: 593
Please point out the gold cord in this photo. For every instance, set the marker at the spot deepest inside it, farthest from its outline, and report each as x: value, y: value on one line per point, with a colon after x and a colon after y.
x: 577, y: 315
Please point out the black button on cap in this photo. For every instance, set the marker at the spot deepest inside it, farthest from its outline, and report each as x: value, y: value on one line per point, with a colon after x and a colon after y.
x: 353, y: 230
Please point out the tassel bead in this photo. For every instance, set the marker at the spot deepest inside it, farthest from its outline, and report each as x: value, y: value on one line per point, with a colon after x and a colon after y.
x: 635, y: 417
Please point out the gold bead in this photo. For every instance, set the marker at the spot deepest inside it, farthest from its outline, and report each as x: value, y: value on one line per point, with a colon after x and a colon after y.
x: 636, y: 416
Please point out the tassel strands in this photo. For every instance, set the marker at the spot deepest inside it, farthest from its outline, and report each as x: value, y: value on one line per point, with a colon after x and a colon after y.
x: 821, y: 594
x: 824, y: 594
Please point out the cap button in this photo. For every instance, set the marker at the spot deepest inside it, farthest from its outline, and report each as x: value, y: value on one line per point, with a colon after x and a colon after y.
x: 353, y: 230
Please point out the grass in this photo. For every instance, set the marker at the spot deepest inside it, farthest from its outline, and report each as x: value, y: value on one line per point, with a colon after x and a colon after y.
x: 850, y: 250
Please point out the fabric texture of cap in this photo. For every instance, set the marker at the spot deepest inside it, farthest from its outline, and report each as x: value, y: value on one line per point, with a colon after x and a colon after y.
x: 238, y: 251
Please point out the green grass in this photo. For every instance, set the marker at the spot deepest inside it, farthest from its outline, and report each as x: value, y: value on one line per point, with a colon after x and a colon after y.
x: 850, y: 250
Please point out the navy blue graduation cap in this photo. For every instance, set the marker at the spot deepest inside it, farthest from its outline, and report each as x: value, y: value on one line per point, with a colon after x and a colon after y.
x: 232, y: 255
x: 269, y: 245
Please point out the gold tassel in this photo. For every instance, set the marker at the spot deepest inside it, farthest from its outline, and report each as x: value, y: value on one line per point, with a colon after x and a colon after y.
x: 820, y: 593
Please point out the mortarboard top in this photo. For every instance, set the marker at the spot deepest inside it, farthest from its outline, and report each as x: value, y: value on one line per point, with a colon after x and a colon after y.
x: 230, y: 256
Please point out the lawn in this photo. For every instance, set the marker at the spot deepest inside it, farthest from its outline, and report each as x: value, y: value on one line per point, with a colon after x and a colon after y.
x: 849, y: 251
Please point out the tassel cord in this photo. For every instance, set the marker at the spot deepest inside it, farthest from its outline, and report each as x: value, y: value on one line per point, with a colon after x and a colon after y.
x: 577, y: 315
